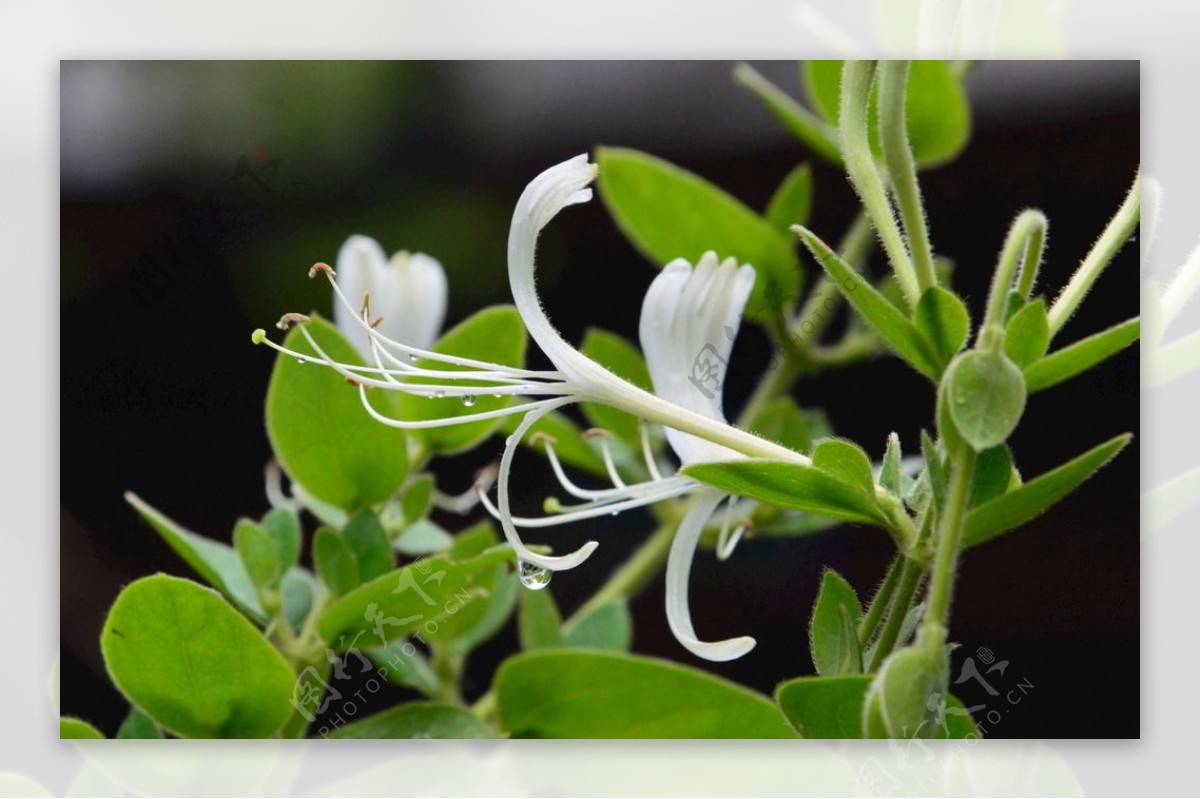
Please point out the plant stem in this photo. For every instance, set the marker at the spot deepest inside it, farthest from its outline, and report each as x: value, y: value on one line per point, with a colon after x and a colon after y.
x: 949, y: 536
x: 902, y: 169
x: 1115, y: 234
x: 910, y: 580
x: 1026, y: 238
x: 864, y: 173
x: 879, y: 603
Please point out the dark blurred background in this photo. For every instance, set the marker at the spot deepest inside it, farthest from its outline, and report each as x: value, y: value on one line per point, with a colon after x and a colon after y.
x: 195, y: 196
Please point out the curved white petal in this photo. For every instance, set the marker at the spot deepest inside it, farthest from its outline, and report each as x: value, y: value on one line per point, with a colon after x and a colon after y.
x: 408, y: 294
x: 679, y: 568
x: 690, y: 318
x: 360, y: 262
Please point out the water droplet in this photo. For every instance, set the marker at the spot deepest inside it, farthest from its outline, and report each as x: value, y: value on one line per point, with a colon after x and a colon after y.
x: 497, y: 395
x: 614, y: 513
x: 533, y: 577
x: 468, y: 400
x: 412, y: 357
x: 439, y: 394
x: 301, y: 361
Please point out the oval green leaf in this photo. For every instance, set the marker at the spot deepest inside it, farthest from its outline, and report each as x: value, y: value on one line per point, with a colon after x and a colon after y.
x: 565, y: 694
x: 192, y: 663
x: 320, y: 431
x: 416, y: 720
x: 833, y: 629
x: 985, y: 396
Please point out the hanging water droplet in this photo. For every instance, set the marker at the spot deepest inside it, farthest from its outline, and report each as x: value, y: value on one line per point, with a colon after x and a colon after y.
x: 412, y: 357
x: 301, y: 361
x: 439, y: 394
x: 468, y: 400
x: 533, y: 577
x: 497, y: 395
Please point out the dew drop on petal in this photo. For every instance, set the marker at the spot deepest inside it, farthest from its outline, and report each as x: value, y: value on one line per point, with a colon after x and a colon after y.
x: 412, y: 357
x: 533, y: 577
x: 301, y: 361
x: 468, y: 400
x: 439, y: 394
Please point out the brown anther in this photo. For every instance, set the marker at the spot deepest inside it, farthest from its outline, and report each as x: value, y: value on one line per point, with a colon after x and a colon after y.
x: 486, y: 476
x: 597, y: 432
x: 747, y: 526
x: 364, y: 310
x: 321, y: 267
x: 540, y: 436
x: 287, y: 319
x: 357, y: 384
x: 375, y: 324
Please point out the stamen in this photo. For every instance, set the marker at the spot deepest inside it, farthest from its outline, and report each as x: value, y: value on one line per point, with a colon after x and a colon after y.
x: 288, y: 319
x: 365, y: 309
x: 605, y: 436
x: 667, y: 489
x: 273, y: 478
x: 647, y: 453
x: 321, y: 267
x: 465, y: 502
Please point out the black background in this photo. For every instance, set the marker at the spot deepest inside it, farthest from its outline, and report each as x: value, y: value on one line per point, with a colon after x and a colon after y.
x: 165, y: 397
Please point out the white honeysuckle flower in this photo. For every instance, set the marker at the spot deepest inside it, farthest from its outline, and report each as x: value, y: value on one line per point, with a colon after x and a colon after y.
x: 407, y: 293
x: 576, y: 377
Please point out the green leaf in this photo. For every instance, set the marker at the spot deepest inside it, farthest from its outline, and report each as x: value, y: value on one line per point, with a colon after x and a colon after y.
x: 568, y: 694
x: 833, y: 629
x: 137, y: 725
x: 1022, y: 504
x: 901, y: 335
x: 335, y: 562
x: 322, y: 435
x: 670, y: 213
x: 217, y: 564
x: 77, y: 729
x: 258, y: 553
x: 422, y: 538
x: 608, y: 627
x: 943, y: 319
x: 194, y: 664
x: 571, y: 447
x: 298, y: 590
x: 936, y: 108
x: 283, y: 526
x: 792, y: 201
x: 897, y: 703
x: 496, y: 335
x: 625, y: 361
x: 1027, y: 334
x: 781, y: 420
x: 935, y: 470
x: 414, y: 597
x: 832, y: 708
x: 401, y: 663
x: 539, y: 624
x: 847, y: 461
x: 824, y: 707
x: 985, y: 393
x: 790, y: 485
x: 502, y: 598
x: 367, y: 539
x: 817, y: 134
x: 417, y: 720
x: 416, y: 500
x: 993, y: 473
x: 890, y: 476
x: 1077, y: 358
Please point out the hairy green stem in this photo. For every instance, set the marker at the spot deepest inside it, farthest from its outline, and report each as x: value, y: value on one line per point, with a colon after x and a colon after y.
x: 1023, y: 244
x: 902, y: 169
x: 1115, y: 234
x: 864, y: 173
x: 911, y: 574
x: 1031, y: 237
x: 949, y: 535
x: 880, y: 603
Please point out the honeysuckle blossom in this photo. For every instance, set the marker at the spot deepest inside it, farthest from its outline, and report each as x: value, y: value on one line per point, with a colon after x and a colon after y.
x: 406, y: 293
x: 575, y: 377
